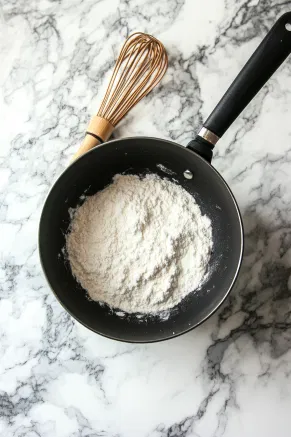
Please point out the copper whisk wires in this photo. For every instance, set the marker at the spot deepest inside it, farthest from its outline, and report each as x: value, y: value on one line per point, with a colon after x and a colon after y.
x: 140, y: 66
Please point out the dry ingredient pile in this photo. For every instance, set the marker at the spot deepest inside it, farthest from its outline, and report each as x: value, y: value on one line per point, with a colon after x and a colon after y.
x: 140, y: 245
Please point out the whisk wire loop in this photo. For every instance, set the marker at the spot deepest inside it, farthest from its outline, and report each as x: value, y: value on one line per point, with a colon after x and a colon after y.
x: 140, y: 66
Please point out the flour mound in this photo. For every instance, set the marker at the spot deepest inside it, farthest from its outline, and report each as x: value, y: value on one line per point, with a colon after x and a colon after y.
x: 140, y: 245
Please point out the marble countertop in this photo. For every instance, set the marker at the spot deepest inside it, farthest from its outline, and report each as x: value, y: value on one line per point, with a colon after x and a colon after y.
x: 232, y: 375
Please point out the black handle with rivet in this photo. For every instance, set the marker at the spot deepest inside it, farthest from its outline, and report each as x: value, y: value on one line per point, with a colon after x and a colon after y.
x: 271, y: 53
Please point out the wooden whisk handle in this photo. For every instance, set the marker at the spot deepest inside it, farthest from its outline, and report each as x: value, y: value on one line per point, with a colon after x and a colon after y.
x: 98, y: 131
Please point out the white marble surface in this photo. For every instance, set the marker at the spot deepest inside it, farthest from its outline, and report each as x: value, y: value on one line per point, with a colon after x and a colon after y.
x: 231, y: 376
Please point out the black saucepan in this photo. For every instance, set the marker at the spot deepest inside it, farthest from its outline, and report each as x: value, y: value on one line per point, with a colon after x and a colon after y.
x: 94, y: 170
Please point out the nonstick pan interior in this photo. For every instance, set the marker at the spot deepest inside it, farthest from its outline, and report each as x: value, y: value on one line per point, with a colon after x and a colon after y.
x: 93, y: 172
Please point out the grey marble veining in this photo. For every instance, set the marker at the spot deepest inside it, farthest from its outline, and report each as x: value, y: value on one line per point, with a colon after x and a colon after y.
x: 232, y: 375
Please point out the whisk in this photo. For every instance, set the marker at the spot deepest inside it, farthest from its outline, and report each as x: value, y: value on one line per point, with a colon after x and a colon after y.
x: 140, y: 66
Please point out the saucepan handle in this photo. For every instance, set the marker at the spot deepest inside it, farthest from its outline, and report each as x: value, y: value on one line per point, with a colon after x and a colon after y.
x: 270, y: 54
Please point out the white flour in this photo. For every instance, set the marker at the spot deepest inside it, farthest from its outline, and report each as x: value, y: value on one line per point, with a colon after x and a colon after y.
x: 140, y: 245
